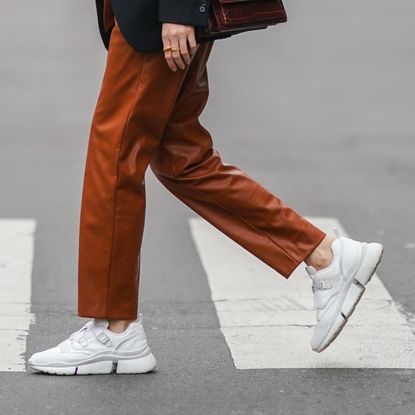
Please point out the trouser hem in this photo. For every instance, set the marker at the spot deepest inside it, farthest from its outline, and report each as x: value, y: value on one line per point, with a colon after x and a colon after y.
x: 319, y: 236
x: 115, y: 312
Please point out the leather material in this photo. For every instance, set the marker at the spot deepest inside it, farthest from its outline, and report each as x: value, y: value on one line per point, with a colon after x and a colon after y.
x: 237, y: 13
x: 148, y: 115
x: 237, y: 16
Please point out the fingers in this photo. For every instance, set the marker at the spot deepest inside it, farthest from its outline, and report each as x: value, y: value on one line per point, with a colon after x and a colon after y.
x: 192, y: 42
x: 176, y: 38
x: 169, y: 59
x: 176, y: 52
x: 168, y: 56
x: 183, y: 49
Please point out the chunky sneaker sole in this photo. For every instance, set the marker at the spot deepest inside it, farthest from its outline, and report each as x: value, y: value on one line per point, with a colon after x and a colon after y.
x: 352, y: 293
x: 136, y: 365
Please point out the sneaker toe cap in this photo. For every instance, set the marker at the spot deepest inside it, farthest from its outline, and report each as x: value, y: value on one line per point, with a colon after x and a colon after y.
x: 315, y: 343
x: 320, y: 332
x: 45, y: 357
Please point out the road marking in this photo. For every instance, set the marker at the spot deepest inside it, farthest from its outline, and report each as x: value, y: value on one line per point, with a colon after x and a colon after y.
x: 267, y: 321
x: 16, y: 261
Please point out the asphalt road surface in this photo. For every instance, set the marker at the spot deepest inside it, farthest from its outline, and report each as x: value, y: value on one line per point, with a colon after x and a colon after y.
x: 320, y: 110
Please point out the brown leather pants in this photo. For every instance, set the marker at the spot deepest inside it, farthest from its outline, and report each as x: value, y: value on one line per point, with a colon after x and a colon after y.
x: 148, y: 115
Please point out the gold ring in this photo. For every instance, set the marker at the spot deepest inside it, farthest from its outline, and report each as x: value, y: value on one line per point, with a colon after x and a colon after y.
x: 170, y: 48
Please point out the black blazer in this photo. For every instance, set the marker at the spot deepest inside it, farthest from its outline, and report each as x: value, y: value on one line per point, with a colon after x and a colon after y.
x: 140, y: 21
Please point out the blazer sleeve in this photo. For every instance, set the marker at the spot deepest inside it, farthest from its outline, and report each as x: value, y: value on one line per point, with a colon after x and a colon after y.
x: 188, y: 12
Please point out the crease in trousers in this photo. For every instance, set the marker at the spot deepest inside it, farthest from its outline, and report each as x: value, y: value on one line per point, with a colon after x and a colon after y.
x: 148, y: 115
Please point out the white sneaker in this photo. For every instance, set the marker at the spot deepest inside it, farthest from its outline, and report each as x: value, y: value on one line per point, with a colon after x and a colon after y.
x: 338, y: 288
x: 94, y: 349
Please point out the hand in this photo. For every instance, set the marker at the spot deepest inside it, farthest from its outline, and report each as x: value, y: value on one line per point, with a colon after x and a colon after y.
x: 177, y: 35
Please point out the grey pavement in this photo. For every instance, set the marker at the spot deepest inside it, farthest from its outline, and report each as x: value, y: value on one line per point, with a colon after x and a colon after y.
x: 320, y: 110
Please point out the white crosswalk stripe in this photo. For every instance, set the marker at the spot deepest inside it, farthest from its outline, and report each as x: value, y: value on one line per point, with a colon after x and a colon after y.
x: 267, y: 321
x: 16, y: 261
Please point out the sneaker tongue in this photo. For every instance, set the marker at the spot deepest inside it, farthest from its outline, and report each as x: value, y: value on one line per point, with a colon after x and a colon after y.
x: 335, y: 246
x: 311, y: 271
x: 101, y: 322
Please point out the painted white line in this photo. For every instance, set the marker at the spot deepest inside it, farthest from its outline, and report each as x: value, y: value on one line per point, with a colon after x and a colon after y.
x: 16, y: 261
x: 267, y: 321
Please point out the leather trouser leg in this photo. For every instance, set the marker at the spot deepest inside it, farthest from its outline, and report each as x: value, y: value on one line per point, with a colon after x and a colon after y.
x: 190, y: 167
x: 136, y: 100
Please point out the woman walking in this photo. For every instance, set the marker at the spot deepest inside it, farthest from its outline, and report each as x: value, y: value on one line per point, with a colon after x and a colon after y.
x: 154, y: 89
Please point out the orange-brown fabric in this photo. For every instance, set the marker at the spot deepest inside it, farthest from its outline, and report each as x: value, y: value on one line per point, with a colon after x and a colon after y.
x: 147, y: 114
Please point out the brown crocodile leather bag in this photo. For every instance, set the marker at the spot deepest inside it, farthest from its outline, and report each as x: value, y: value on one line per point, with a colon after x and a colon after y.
x: 229, y: 17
